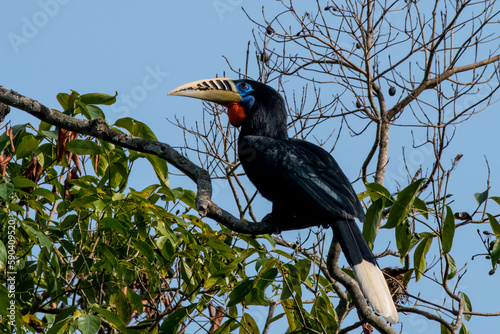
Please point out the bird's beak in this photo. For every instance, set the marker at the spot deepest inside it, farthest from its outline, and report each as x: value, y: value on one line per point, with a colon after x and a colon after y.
x: 218, y: 90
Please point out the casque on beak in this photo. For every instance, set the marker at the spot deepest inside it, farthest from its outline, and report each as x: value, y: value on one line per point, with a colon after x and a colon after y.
x: 218, y: 90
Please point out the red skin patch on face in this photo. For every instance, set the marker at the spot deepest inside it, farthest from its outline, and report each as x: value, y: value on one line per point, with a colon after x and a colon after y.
x: 236, y: 113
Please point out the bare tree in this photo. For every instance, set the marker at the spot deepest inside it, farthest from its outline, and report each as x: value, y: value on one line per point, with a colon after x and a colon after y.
x: 372, y: 66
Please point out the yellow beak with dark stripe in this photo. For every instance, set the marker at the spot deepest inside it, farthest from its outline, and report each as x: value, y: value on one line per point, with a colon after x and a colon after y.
x: 218, y: 90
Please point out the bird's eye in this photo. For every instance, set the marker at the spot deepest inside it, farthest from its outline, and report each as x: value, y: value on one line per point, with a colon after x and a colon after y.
x: 244, y: 86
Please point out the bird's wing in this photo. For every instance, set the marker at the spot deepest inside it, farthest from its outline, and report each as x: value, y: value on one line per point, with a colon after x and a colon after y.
x: 296, y: 168
x: 303, y: 179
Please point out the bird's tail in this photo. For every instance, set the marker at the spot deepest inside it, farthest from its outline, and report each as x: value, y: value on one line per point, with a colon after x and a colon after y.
x: 369, y: 276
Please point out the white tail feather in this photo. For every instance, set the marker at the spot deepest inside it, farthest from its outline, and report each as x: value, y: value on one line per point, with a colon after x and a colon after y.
x: 374, y: 287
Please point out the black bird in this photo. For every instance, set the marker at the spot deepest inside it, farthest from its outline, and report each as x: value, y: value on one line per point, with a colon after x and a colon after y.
x: 302, y: 180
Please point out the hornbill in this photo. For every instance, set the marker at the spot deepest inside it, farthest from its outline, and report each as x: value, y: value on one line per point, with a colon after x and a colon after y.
x: 304, y: 183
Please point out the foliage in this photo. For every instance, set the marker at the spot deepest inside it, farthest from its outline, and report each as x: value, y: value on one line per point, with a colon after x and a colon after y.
x: 82, y: 250
x: 88, y: 251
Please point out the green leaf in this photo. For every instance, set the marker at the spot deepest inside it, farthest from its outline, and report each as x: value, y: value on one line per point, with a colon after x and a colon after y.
x: 495, y: 226
x: 251, y: 241
x: 407, y: 277
x: 166, y: 244
x: 248, y: 325
x: 421, y: 207
x: 83, y: 147
x: 256, y: 295
x: 444, y: 330
x: 135, y: 301
x: 27, y: 145
x: 452, y: 271
x: 495, y: 252
x: 173, y: 321
x: 321, y: 311
x: 95, y: 112
x: 496, y: 199
x: 112, y: 318
x: 225, y: 328
x: 89, y: 324
x: 467, y: 305
x: 377, y: 191
x: 113, y: 224
x: 98, y: 98
x: 448, y: 231
x: 122, y: 306
x: 481, y: 197
x: 144, y: 248
x: 303, y: 266
x: 43, y: 239
x: 329, y: 306
x: 403, y: 238
x: 401, y: 207
x: 267, y: 277
x: 51, y: 134
x: 118, y: 174
x: 239, y: 292
x: 67, y: 101
x: 62, y: 319
x: 464, y: 329
x: 45, y: 193
x: 275, y: 318
x: 220, y: 247
x: 44, y: 126
x: 6, y: 190
x: 291, y: 314
x: 22, y: 182
x: 189, y: 198
x: 283, y: 253
x: 109, y: 253
x: 260, y: 261
x: 3, y: 256
x: 160, y: 167
x: 56, y: 267
x: 187, y: 274
x: 136, y: 128
x: 83, y: 201
x: 419, y: 257
x: 373, y: 215
x: 269, y: 238
x: 287, y: 289
x: 90, y: 111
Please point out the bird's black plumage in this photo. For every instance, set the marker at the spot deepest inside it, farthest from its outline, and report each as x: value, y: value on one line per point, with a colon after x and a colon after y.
x: 302, y: 180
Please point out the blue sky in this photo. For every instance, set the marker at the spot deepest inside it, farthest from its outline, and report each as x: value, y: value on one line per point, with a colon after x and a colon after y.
x: 145, y: 49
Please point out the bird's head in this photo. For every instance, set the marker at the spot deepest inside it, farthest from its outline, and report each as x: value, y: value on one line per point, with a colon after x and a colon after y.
x: 258, y: 108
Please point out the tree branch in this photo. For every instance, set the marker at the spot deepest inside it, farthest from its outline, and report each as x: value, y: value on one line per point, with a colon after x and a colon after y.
x: 364, y: 312
x: 431, y: 83
x: 428, y: 315
x: 98, y: 128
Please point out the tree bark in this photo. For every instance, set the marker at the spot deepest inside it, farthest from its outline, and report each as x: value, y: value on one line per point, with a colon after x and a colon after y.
x: 383, y: 154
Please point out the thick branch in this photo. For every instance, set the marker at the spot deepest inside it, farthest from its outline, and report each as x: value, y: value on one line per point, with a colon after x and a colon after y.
x: 98, y: 128
x: 364, y: 312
